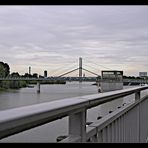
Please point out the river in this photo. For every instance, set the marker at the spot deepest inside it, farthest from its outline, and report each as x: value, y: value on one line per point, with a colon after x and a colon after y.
x: 48, y: 132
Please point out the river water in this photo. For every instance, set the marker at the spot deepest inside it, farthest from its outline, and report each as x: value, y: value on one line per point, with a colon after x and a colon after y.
x: 49, y: 132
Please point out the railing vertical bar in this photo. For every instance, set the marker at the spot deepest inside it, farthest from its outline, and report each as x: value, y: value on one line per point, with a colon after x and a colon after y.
x: 119, y: 129
x: 104, y: 132
x: 99, y: 136
x: 126, y: 128
x: 116, y: 131
x: 130, y: 128
x: 118, y: 134
x: 109, y: 133
x: 113, y: 132
x: 123, y: 128
x: 95, y: 138
x: 124, y: 140
x: 139, y: 117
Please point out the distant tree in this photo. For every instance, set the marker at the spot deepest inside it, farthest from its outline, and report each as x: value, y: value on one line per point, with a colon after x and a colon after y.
x: 7, y: 69
x: 41, y: 76
x: 4, y: 69
x: 2, y: 73
x: 15, y: 74
x: 35, y: 75
x: 131, y: 77
x: 125, y: 77
x: 27, y: 75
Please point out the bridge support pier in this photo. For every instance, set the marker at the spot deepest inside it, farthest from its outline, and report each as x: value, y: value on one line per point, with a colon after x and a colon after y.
x: 38, y: 87
x: 137, y: 95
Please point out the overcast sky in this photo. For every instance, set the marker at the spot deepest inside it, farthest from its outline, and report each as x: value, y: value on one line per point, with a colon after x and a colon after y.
x: 50, y: 37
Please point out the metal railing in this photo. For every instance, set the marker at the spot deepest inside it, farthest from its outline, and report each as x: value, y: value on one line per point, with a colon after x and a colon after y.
x: 114, y: 127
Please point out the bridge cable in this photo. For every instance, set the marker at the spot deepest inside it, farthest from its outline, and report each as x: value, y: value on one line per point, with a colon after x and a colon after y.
x: 91, y: 67
x: 60, y: 70
x: 98, y: 65
x: 68, y: 72
x: 90, y: 71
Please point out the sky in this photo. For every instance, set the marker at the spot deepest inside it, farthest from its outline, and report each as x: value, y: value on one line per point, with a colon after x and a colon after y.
x: 53, y: 38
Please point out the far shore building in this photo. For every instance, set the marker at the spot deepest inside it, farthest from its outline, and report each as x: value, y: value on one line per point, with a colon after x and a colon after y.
x: 45, y: 73
x: 143, y: 74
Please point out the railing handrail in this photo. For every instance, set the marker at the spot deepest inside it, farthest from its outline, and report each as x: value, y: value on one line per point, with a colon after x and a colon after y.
x: 19, y: 119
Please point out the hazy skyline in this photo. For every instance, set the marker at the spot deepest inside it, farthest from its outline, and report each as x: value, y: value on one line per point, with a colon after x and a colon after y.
x: 50, y: 37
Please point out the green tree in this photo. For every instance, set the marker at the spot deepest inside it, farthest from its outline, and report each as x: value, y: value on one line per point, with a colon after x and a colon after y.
x: 4, y: 69
x: 27, y: 75
x: 2, y: 73
x: 15, y: 74
x: 35, y: 75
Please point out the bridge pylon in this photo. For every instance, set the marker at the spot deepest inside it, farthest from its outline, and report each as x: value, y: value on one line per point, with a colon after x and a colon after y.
x: 80, y: 69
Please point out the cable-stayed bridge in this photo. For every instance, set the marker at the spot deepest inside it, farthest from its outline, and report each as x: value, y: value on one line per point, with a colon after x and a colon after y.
x: 79, y: 78
x: 65, y: 75
x: 62, y: 76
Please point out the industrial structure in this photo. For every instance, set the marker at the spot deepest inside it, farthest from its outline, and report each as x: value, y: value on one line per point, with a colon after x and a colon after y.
x: 29, y: 70
x: 45, y: 73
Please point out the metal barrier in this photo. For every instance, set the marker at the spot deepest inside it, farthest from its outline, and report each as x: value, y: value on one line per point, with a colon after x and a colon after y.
x: 127, y: 124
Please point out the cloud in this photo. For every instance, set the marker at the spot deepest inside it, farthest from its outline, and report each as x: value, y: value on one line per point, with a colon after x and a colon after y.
x: 50, y: 36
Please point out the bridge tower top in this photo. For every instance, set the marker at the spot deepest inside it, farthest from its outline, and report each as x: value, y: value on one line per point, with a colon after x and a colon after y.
x: 80, y: 67
x: 29, y: 70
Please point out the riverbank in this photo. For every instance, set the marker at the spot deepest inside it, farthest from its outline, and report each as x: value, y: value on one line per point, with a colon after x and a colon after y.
x: 21, y: 84
x: 2, y: 89
x: 48, y: 82
x: 12, y: 84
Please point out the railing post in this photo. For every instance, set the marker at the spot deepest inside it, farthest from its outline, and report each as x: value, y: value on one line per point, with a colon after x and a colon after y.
x: 137, y: 95
x: 77, y: 125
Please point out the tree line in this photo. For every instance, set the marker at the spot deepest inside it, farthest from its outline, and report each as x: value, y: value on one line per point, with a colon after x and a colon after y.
x: 5, y: 72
